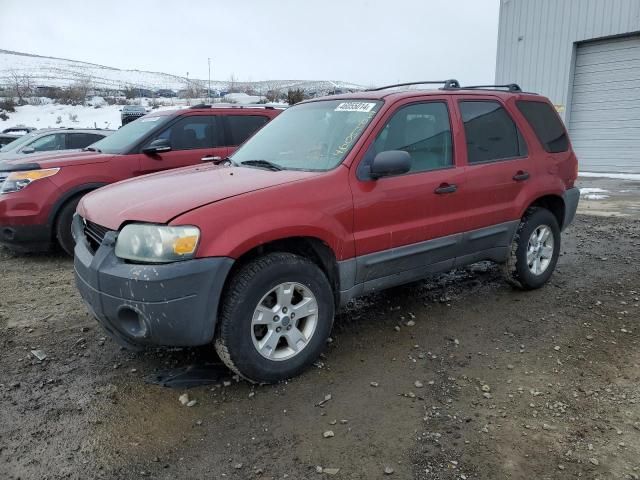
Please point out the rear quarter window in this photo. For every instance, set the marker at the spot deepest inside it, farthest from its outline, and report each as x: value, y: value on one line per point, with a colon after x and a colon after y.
x: 545, y: 123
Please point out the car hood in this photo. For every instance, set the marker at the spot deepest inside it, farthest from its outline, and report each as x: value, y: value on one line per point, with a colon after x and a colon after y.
x: 10, y: 162
x: 158, y: 198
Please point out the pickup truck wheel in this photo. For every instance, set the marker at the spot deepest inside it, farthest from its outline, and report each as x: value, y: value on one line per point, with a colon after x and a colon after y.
x: 63, y: 226
x: 535, y: 249
x: 275, y: 318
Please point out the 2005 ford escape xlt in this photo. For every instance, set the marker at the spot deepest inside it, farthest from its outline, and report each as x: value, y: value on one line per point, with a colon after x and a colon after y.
x: 336, y: 197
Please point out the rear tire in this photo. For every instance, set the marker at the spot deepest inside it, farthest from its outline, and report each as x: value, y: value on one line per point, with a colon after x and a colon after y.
x: 259, y: 335
x: 63, y: 226
x: 534, y: 251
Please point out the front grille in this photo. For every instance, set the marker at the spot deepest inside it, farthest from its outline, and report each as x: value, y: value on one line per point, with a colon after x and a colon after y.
x: 95, y: 234
x: 3, y: 177
x: 130, y: 117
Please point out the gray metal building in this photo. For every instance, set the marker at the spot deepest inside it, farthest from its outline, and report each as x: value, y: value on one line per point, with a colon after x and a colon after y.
x: 585, y: 56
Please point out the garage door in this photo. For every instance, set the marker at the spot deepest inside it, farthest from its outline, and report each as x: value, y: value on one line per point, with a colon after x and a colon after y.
x: 604, y: 122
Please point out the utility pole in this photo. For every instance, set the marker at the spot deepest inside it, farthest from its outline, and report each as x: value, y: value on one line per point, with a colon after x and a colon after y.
x: 209, y: 60
x: 188, y: 89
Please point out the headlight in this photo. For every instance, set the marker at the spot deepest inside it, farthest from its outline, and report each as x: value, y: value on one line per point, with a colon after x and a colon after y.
x: 19, y: 180
x: 157, y: 243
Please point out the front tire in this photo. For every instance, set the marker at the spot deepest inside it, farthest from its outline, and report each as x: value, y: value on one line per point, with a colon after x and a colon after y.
x: 275, y: 319
x: 535, y: 249
x: 63, y: 226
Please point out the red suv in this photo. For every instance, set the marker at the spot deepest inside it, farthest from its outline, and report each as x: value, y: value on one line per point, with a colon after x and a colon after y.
x: 38, y: 196
x: 335, y: 198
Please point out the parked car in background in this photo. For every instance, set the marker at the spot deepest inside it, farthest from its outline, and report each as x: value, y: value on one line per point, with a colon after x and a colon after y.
x: 129, y: 113
x: 38, y: 195
x: 335, y: 198
x: 19, y: 129
x: 7, y: 138
x: 52, y: 139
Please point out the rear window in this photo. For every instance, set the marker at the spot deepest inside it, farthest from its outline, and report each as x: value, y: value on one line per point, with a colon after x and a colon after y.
x: 546, y: 125
x: 243, y: 126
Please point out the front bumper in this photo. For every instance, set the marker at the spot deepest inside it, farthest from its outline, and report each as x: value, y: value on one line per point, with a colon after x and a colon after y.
x: 172, y: 304
x: 24, y: 223
x: 26, y: 238
x: 571, y: 198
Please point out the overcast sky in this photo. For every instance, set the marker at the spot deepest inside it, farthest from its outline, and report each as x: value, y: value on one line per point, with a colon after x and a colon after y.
x: 362, y: 41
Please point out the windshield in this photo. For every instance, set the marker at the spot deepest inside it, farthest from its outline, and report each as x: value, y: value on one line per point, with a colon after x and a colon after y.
x: 126, y: 137
x: 10, y: 147
x: 313, y: 136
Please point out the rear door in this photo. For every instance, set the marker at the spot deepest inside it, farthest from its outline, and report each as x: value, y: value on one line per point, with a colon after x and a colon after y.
x: 194, y: 139
x: 498, y: 164
x: 395, y: 217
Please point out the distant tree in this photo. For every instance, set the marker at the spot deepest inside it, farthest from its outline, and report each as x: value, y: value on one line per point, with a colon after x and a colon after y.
x: 22, y: 85
x: 84, y: 85
x: 273, y: 95
x: 130, y: 92
x: 295, y: 96
x: 8, y: 104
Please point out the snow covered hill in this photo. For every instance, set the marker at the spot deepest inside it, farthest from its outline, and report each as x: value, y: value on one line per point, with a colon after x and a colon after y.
x: 58, y: 72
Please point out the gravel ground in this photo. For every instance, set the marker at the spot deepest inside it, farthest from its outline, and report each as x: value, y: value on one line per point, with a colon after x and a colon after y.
x: 452, y: 378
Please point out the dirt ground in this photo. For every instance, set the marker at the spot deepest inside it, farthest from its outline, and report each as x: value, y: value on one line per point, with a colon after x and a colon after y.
x: 458, y: 377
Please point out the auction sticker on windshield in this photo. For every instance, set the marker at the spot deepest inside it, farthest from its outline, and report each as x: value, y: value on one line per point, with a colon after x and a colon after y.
x: 364, y: 107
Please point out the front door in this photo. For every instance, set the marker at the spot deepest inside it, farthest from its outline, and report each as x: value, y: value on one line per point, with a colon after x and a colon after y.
x: 194, y: 139
x: 400, y: 222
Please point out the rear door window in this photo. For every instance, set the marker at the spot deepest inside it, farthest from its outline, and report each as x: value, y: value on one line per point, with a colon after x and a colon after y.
x: 546, y: 124
x: 242, y: 127
x: 82, y: 140
x: 193, y: 132
x: 490, y: 132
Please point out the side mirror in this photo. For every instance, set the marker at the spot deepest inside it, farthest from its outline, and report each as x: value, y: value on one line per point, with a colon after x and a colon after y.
x: 389, y: 163
x: 28, y: 150
x: 159, y: 145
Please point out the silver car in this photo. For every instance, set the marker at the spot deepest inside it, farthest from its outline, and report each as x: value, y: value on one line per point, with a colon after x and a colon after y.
x: 52, y: 139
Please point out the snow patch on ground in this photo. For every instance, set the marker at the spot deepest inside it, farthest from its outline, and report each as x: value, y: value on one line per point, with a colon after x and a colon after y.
x: 54, y: 115
x: 585, y: 191
x: 620, y: 176
x: 242, y: 98
x: 594, y: 193
x: 64, y: 116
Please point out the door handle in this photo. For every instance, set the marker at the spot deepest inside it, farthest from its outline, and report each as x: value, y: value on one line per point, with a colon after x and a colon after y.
x: 210, y: 158
x: 446, y: 188
x: 521, y: 176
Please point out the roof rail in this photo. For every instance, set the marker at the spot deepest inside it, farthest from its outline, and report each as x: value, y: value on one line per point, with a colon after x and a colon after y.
x: 448, y: 84
x: 510, y: 87
x: 233, y: 105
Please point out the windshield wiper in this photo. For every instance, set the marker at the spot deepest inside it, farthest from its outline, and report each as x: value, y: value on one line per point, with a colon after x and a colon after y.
x: 91, y: 149
x: 222, y: 161
x: 262, y: 164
